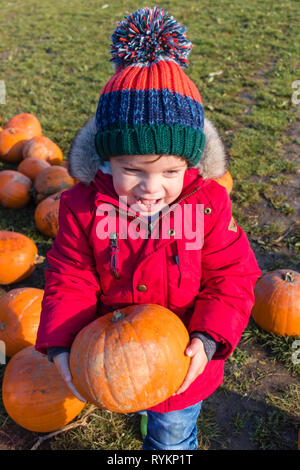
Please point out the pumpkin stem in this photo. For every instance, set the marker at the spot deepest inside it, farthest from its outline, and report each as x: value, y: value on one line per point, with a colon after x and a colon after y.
x: 118, y: 315
x: 289, y: 277
x: 38, y: 259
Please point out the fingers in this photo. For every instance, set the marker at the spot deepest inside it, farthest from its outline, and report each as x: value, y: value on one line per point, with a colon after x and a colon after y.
x: 195, y: 350
x: 61, y: 362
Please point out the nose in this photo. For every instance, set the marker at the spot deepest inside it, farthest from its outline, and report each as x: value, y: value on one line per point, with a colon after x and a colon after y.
x: 150, y: 185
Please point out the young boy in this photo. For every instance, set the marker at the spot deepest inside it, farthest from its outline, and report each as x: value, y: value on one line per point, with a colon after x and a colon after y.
x: 148, y: 224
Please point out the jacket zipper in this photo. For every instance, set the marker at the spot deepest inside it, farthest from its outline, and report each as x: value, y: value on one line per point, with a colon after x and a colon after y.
x: 114, y: 248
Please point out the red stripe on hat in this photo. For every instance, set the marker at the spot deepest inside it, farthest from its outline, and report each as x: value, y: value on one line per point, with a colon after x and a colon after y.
x: 160, y: 75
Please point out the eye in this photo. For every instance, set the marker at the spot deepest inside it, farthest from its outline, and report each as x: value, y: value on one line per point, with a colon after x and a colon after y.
x: 132, y: 170
x: 171, y: 172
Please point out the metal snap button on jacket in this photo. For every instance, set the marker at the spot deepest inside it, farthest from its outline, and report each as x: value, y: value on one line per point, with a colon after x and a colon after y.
x: 207, y: 210
x: 142, y: 288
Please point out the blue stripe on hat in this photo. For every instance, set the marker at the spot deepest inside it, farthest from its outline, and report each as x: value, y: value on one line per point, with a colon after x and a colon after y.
x: 148, y: 107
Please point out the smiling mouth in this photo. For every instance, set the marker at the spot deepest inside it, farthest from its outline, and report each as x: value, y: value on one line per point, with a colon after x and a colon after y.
x: 147, y: 204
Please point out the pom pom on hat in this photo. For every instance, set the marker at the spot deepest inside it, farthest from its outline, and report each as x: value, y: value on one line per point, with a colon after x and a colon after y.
x: 147, y: 36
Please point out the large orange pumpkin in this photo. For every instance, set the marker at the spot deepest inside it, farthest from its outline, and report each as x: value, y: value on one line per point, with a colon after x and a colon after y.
x: 12, y: 141
x: 226, y: 181
x: 130, y: 359
x: 52, y: 180
x: 46, y: 215
x: 18, y: 257
x: 28, y: 122
x: 277, y: 302
x: 43, y: 148
x: 34, y: 394
x: 20, y: 311
x: 31, y: 167
x: 14, y: 189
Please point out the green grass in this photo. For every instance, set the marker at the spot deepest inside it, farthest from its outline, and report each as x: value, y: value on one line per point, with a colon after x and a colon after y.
x: 54, y: 59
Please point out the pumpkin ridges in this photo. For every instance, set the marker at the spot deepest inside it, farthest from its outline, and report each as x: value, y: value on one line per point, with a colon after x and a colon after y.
x: 31, y: 167
x: 14, y: 189
x: 12, y: 141
x: 28, y: 122
x: 95, y: 361
x: 34, y: 394
x: 270, y: 310
x: 43, y: 148
x: 20, y: 311
x: 128, y: 383
x: 19, y: 256
x: 52, y: 180
x: 46, y: 215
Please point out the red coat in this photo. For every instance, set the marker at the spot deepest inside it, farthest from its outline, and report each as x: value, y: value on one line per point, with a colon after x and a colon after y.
x: 210, y: 288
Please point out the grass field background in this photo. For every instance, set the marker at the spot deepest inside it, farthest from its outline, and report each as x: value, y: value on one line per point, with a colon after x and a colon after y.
x: 54, y: 60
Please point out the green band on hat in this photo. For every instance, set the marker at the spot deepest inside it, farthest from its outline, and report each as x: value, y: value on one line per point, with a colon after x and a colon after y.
x: 176, y: 139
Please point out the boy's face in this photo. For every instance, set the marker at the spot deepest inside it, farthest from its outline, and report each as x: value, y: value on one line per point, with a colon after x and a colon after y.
x: 149, y: 182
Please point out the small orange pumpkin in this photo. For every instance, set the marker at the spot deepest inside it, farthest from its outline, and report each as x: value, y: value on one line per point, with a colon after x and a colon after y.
x: 28, y: 122
x: 18, y: 257
x: 12, y: 141
x: 20, y: 311
x: 226, y: 181
x: 43, y: 148
x: 14, y: 189
x: 124, y: 361
x: 31, y: 167
x: 52, y: 180
x: 46, y: 215
x: 277, y: 302
x: 34, y: 394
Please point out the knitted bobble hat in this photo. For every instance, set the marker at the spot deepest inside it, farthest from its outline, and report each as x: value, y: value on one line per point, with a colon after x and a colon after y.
x: 150, y: 105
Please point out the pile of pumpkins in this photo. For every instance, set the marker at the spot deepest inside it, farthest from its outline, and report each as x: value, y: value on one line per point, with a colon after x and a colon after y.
x: 34, y: 394
x: 41, y: 173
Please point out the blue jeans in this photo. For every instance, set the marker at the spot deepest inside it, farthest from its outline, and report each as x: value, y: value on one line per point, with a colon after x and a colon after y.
x: 176, y: 430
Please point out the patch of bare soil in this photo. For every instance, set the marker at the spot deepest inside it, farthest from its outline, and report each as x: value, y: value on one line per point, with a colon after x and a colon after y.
x: 241, y: 415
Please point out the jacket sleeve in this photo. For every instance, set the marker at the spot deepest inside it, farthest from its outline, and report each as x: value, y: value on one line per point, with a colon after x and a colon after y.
x: 72, y: 285
x: 229, y: 273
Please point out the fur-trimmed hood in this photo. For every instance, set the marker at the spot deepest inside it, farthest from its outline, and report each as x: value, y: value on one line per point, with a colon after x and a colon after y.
x: 84, y: 161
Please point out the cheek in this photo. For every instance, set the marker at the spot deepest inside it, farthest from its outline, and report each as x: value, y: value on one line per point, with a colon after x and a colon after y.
x: 174, y: 188
x: 122, y: 184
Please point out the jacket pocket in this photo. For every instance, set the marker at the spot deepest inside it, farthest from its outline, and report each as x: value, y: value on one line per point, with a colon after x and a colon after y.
x: 183, y: 277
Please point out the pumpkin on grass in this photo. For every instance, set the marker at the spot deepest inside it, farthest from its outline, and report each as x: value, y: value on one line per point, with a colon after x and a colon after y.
x: 31, y: 167
x: 28, y: 122
x: 52, y: 180
x: 20, y: 311
x: 34, y: 394
x: 12, y: 141
x: 14, y: 189
x: 43, y: 148
x: 226, y: 181
x: 46, y: 215
x: 18, y: 257
x: 130, y: 359
x: 277, y: 302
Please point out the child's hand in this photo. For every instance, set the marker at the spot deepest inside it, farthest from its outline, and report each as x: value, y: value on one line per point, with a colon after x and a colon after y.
x: 61, y: 362
x: 198, y: 362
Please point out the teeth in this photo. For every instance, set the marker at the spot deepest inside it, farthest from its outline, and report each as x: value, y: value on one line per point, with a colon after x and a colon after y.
x: 146, y: 203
